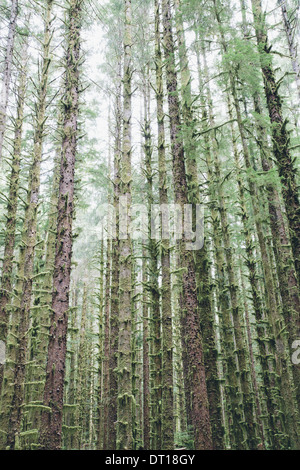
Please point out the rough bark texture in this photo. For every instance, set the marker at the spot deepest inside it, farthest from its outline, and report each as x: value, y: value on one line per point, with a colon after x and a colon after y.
x: 284, y: 259
x: 233, y: 398
x: 190, y: 329
x: 114, y: 314
x: 189, y: 130
x: 146, y: 365
x: 153, y: 288
x: 125, y: 398
x: 55, y: 371
x: 106, y: 376
x: 7, y: 70
x: 290, y: 36
x: 10, y: 228
x: 29, y: 241
x: 167, y: 333
x: 280, y: 134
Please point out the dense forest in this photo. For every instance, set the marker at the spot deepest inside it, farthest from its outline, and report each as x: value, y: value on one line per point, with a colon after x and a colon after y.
x: 149, y: 225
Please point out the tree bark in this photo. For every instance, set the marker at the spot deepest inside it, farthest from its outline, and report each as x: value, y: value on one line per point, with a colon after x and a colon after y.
x: 290, y: 35
x: 125, y: 397
x: 168, y: 427
x: 8, y: 61
x: 12, y: 206
x: 280, y: 134
x: 190, y: 329
x: 55, y: 371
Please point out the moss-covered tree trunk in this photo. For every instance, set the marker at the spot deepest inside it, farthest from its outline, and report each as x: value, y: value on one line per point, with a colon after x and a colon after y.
x: 189, y: 130
x: 195, y: 380
x: 232, y: 395
x: 81, y: 390
x: 153, y: 287
x: 12, y: 206
x: 29, y: 240
x: 101, y: 302
x: 280, y: 134
x: 106, y: 371
x: 290, y: 31
x: 114, y: 312
x: 8, y: 62
x: 125, y: 398
x: 55, y: 371
x: 146, y: 357
x: 168, y: 426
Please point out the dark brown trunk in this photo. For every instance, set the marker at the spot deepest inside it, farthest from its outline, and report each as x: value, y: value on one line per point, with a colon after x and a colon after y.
x: 55, y: 371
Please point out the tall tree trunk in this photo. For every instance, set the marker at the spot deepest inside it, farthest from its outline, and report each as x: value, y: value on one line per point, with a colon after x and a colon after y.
x: 29, y: 240
x: 152, y: 287
x: 290, y: 35
x: 288, y: 285
x: 189, y: 129
x: 7, y: 70
x: 106, y: 376
x: 168, y: 425
x: 190, y: 329
x: 101, y: 300
x: 146, y: 355
x: 125, y: 398
x: 114, y: 313
x: 55, y: 371
x: 280, y: 134
x: 12, y: 206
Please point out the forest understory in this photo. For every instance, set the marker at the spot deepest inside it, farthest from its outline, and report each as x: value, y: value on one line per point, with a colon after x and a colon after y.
x: 149, y: 225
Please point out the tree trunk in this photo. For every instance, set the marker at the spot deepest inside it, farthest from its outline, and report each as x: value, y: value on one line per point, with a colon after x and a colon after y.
x: 125, y: 397
x: 290, y: 35
x: 190, y: 329
x: 7, y: 70
x: 55, y: 371
x: 114, y: 313
x: 189, y: 129
x: 168, y: 427
x: 12, y: 206
x: 280, y: 134
x: 29, y: 241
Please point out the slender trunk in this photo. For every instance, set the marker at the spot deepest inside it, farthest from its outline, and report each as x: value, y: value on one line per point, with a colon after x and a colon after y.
x: 7, y: 70
x: 252, y: 363
x: 11, y: 216
x: 125, y: 398
x: 280, y: 134
x: 189, y: 129
x: 106, y: 376
x: 290, y: 35
x: 100, y: 410
x: 153, y: 288
x: 190, y: 329
x: 81, y: 385
x: 114, y: 312
x: 29, y: 241
x: 146, y: 350
x: 55, y: 370
x: 168, y: 427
